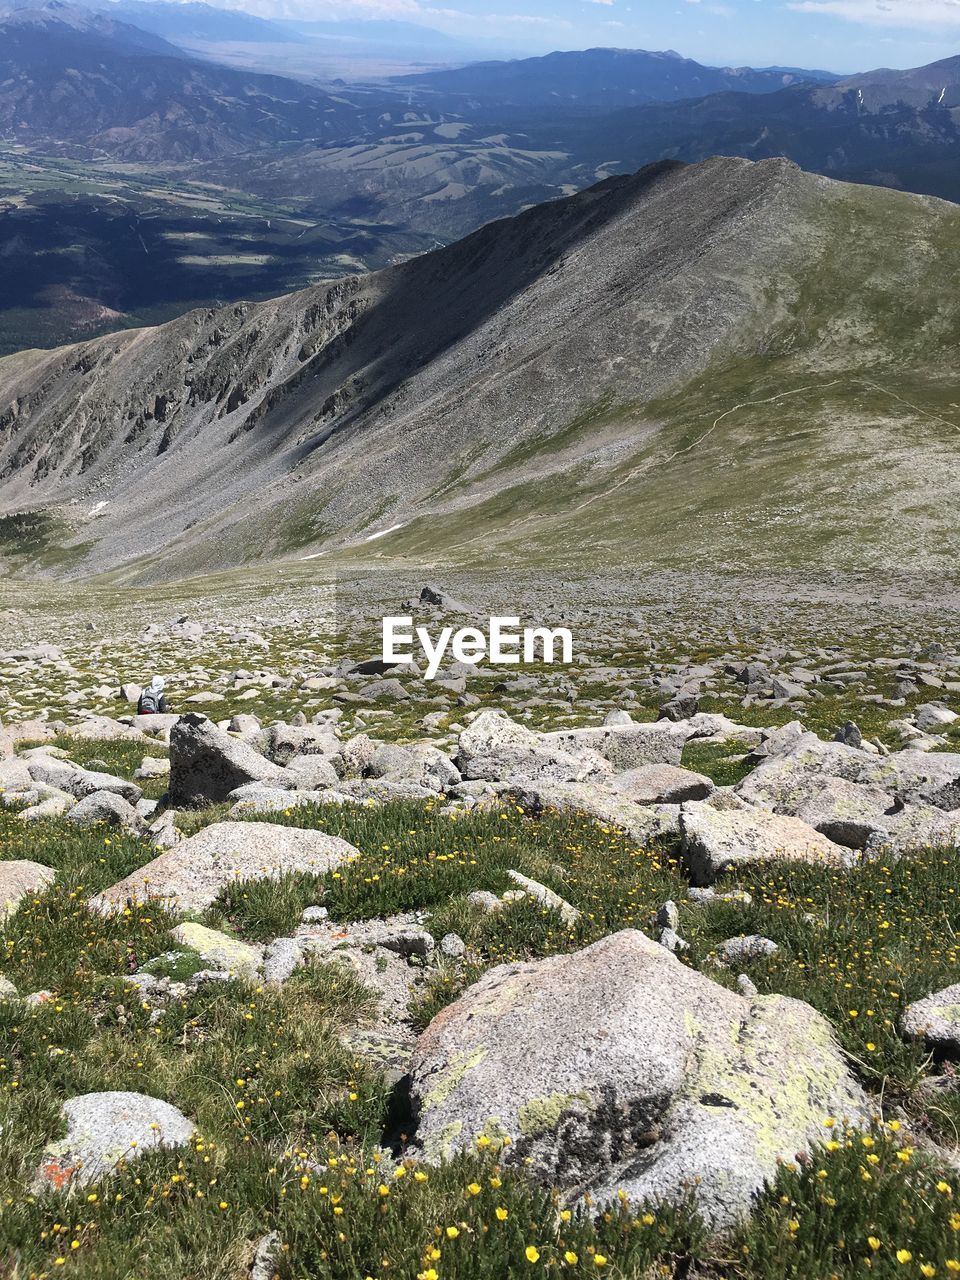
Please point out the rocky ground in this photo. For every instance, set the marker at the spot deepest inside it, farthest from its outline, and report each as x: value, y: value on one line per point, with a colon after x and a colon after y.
x: 642, y: 966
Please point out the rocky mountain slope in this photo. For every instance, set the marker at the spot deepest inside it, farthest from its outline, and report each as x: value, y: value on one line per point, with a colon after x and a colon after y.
x: 187, y: 23
x: 729, y: 361
x: 891, y: 128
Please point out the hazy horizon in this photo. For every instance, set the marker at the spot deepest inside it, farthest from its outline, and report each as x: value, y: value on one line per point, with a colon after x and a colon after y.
x: 832, y: 35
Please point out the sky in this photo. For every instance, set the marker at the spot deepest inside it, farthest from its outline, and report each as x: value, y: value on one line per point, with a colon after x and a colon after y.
x: 831, y: 35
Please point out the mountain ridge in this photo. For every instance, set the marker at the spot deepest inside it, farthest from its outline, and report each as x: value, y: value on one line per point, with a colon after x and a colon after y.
x: 566, y: 361
x: 600, y: 77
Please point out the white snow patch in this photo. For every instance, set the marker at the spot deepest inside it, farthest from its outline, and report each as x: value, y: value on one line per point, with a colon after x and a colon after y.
x: 383, y: 532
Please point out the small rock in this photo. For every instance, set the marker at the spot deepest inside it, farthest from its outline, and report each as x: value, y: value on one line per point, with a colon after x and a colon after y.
x: 104, y: 807
x: 935, y: 1019
x: 532, y: 888
x: 282, y: 958
x: 684, y: 706
x: 618, y: 717
x: 849, y: 734
x: 932, y: 718
x: 668, y: 915
x: 265, y: 1257
x: 18, y: 879
x: 484, y: 900
x: 153, y: 767
x: 749, y: 947
x: 104, y: 1129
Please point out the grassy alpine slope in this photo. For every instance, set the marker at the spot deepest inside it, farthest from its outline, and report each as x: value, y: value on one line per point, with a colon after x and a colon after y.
x: 834, y: 441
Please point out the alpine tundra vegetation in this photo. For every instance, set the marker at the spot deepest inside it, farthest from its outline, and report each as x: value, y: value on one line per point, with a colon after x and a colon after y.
x: 641, y: 965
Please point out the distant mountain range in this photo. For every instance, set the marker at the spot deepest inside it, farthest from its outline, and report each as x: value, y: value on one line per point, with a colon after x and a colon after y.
x: 368, y: 171
x: 728, y: 362
x: 29, y: 29
x: 598, y: 78
x: 890, y: 128
x: 69, y: 76
x: 192, y: 22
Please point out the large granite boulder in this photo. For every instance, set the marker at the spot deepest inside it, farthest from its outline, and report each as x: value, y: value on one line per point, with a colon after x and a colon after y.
x: 795, y: 775
x: 64, y: 775
x: 625, y: 746
x: 662, y: 784
x: 642, y: 823
x: 720, y: 834
x: 618, y: 1068
x: 495, y: 748
x: 191, y: 875
x: 206, y: 764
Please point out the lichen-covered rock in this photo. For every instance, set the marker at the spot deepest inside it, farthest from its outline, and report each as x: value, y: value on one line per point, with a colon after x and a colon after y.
x: 14, y: 775
x: 107, y: 808
x: 312, y: 772
x: 747, y: 947
x: 280, y: 743
x: 420, y: 764
x: 847, y: 813
x: 243, y: 959
x: 190, y: 876
x: 153, y: 767
x: 497, y: 749
x: 594, y: 800
x: 620, y: 1068
x: 104, y: 1129
x: 64, y: 775
x: 916, y: 826
x: 935, y: 1019
x: 354, y: 755
x: 256, y: 798
x: 625, y: 746
x: 18, y: 878
x: 793, y: 777
x: 661, y: 784
x: 206, y: 764
x: 714, y: 838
